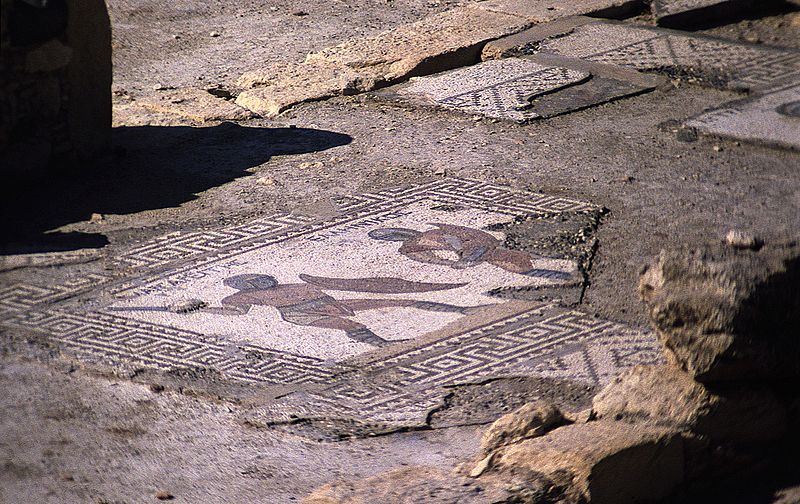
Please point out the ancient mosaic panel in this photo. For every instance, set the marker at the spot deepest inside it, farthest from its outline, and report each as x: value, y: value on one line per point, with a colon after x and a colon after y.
x: 708, y: 60
x: 773, y: 118
x: 500, y: 89
x: 374, y: 310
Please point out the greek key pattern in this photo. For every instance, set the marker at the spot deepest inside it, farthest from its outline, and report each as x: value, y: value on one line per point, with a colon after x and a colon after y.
x: 179, y: 245
x: 403, y: 389
x: 755, y: 67
x: 120, y: 340
x: 22, y: 297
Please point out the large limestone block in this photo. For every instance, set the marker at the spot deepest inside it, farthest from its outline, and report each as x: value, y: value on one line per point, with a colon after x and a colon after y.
x: 270, y: 91
x: 607, y: 462
x: 727, y: 313
x: 667, y: 396
x: 411, y: 485
x: 436, y: 43
x: 543, y: 11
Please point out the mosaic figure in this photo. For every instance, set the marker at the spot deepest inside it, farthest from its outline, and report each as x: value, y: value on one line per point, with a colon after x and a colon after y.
x: 306, y: 304
x: 462, y: 247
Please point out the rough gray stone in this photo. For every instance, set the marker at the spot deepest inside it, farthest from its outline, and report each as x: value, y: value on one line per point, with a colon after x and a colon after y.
x: 724, y: 313
x: 666, y: 396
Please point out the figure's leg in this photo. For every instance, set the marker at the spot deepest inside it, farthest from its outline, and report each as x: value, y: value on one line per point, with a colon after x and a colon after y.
x: 520, y: 262
x: 373, y: 304
x: 353, y: 330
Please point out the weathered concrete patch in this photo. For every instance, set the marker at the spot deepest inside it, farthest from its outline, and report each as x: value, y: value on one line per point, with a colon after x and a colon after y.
x: 688, y: 13
x: 772, y: 119
x: 436, y: 43
x: 500, y: 89
x: 700, y: 59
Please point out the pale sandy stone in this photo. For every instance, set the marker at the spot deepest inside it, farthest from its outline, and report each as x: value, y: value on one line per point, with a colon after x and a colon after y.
x: 606, y: 462
x: 737, y: 414
x: 436, y: 43
x: 543, y: 11
x: 270, y: 91
x: 195, y: 104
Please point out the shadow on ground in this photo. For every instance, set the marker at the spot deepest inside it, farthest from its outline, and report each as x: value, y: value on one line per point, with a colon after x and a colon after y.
x: 153, y: 167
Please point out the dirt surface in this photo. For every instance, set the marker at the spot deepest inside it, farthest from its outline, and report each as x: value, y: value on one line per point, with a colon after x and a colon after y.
x: 70, y: 435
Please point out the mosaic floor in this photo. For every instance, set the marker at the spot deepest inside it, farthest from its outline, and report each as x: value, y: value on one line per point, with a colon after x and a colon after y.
x: 372, y: 311
x: 773, y: 118
x: 715, y: 62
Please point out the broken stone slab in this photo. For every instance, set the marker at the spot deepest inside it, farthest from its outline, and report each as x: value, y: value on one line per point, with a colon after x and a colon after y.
x: 665, y: 395
x: 500, y: 89
x: 691, y: 13
x: 436, y: 43
x: 543, y: 11
x: 410, y: 485
x: 195, y: 104
x: 602, y: 462
x: 699, y: 59
x: 724, y: 313
x: 269, y: 91
x: 771, y: 119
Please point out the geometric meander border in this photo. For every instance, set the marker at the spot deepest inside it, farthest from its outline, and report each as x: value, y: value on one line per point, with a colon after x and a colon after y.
x: 405, y: 388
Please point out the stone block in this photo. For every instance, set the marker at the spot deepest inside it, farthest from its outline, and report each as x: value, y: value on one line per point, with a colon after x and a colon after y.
x: 605, y: 462
x: 543, y: 11
x: 691, y: 13
x: 411, y: 485
x: 436, y: 43
x: 666, y: 396
x: 724, y: 313
x: 195, y: 104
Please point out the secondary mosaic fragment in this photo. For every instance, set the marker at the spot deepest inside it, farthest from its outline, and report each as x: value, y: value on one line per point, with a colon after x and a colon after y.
x: 773, y: 118
x: 500, y: 89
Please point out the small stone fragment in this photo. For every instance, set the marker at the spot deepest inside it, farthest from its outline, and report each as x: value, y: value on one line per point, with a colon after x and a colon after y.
x: 531, y: 420
x: 214, y: 34
x: 265, y: 181
x: 96, y: 218
x: 164, y: 495
x: 742, y: 240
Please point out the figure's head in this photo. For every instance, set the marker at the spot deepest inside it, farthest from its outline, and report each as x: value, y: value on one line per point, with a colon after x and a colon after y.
x: 250, y: 281
x: 393, y: 234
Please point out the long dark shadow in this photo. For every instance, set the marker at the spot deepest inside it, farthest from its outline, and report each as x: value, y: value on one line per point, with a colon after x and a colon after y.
x: 154, y: 167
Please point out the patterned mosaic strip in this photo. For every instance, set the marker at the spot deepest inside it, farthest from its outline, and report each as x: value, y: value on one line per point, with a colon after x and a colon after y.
x: 403, y: 389
x: 755, y: 67
x: 124, y: 340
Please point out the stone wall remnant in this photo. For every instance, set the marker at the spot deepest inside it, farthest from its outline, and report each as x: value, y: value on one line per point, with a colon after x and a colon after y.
x: 55, y: 83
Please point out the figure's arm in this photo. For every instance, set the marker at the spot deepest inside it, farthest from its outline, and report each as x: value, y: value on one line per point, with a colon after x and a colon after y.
x: 227, y: 309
